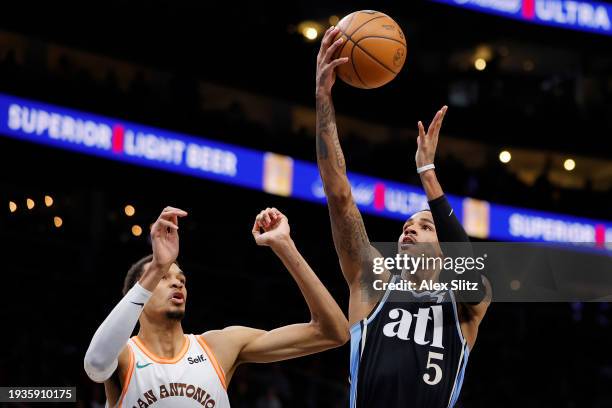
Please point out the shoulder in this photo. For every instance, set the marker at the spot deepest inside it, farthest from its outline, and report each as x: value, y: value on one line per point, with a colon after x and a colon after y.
x: 226, y: 344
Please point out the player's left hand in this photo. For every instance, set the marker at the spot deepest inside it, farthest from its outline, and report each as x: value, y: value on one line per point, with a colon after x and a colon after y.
x: 275, y: 226
x: 428, y: 142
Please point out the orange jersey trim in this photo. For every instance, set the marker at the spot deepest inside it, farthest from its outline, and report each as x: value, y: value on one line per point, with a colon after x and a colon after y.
x: 158, y: 359
x: 213, y: 360
x: 128, y: 377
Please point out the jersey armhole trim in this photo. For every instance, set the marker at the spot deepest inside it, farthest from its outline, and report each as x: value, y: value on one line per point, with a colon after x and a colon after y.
x: 213, y: 360
x: 463, y: 339
x: 128, y: 377
x: 372, y: 315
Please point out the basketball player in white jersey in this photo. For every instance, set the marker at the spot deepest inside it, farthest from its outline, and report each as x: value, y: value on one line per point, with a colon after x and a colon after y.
x: 162, y: 366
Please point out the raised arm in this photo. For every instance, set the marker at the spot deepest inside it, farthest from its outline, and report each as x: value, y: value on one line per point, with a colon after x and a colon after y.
x: 107, y: 350
x: 326, y: 329
x: 448, y: 227
x: 350, y: 237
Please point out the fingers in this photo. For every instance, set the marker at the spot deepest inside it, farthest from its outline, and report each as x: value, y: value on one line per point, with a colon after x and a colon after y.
x: 178, y: 211
x: 172, y: 214
x: 168, y: 219
x: 436, y: 125
x: 328, y: 37
x: 259, y: 220
x: 332, y: 49
x: 267, y: 218
x: 162, y: 226
x: 338, y: 61
x: 255, y: 231
x: 168, y: 224
x: 440, y: 120
x: 433, y: 124
x: 327, y: 70
x: 421, y: 130
x: 277, y: 213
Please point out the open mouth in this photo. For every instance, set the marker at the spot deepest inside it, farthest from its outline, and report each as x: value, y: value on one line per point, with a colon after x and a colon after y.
x: 407, y: 242
x: 177, y: 298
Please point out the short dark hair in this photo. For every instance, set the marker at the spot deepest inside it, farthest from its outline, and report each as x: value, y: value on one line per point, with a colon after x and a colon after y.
x: 416, y: 212
x: 135, y: 272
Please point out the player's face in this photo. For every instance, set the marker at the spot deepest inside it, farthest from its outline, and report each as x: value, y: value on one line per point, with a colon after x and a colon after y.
x: 419, y: 234
x: 170, y: 295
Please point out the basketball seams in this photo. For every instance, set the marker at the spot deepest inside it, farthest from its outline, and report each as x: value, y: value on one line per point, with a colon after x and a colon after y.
x: 355, y: 68
x: 363, y: 49
x: 373, y: 57
x: 348, y: 36
x: 364, y: 23
x: 339, y: 52
x: 348, y: 25
x: 386, y: 38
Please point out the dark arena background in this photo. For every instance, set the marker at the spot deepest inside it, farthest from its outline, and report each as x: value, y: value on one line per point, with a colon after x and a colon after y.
x: 527, y: 132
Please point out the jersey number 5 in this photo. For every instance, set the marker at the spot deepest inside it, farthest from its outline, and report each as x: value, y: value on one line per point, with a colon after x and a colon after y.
x: 437, y: 369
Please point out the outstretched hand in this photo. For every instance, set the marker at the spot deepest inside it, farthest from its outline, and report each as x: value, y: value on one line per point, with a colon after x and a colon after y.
x: 428, y: 142
x: 326, y: 63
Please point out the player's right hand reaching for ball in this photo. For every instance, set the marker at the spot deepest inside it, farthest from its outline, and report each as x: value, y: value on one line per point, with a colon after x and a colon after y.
x: 326, y: 63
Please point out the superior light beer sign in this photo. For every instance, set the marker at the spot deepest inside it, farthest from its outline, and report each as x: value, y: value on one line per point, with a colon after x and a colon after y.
x: 571, y: 14
x: 129, y: 142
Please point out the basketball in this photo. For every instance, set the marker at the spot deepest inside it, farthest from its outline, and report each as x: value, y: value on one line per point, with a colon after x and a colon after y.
x: 375, y: 46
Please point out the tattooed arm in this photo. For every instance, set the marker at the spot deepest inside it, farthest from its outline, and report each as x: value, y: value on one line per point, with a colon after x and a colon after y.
x: 350, y: 237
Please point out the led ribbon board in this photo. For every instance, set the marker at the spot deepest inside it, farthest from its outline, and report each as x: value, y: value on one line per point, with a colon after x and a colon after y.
x: 140, y: 145
x: 580, y: 15
x: 128, y: 142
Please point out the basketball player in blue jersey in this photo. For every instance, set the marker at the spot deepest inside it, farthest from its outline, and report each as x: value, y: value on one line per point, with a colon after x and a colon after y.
x: 162, y: 366
x: 410, y: 353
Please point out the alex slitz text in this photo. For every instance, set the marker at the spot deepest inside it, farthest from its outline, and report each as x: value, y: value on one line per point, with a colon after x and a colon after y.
x: 425, y: 285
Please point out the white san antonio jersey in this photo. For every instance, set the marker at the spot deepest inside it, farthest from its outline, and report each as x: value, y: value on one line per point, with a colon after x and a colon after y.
x: 193, y: 378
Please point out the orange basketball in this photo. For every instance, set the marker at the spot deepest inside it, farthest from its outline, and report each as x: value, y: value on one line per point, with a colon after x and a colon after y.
x: 375, y: 46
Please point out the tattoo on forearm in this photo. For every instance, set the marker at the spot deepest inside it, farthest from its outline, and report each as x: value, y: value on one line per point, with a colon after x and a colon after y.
x: 353, y: 248
x: 327, y: 131
x: 339, y: 155
x: 321, y: 148
x: 352, y: 237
